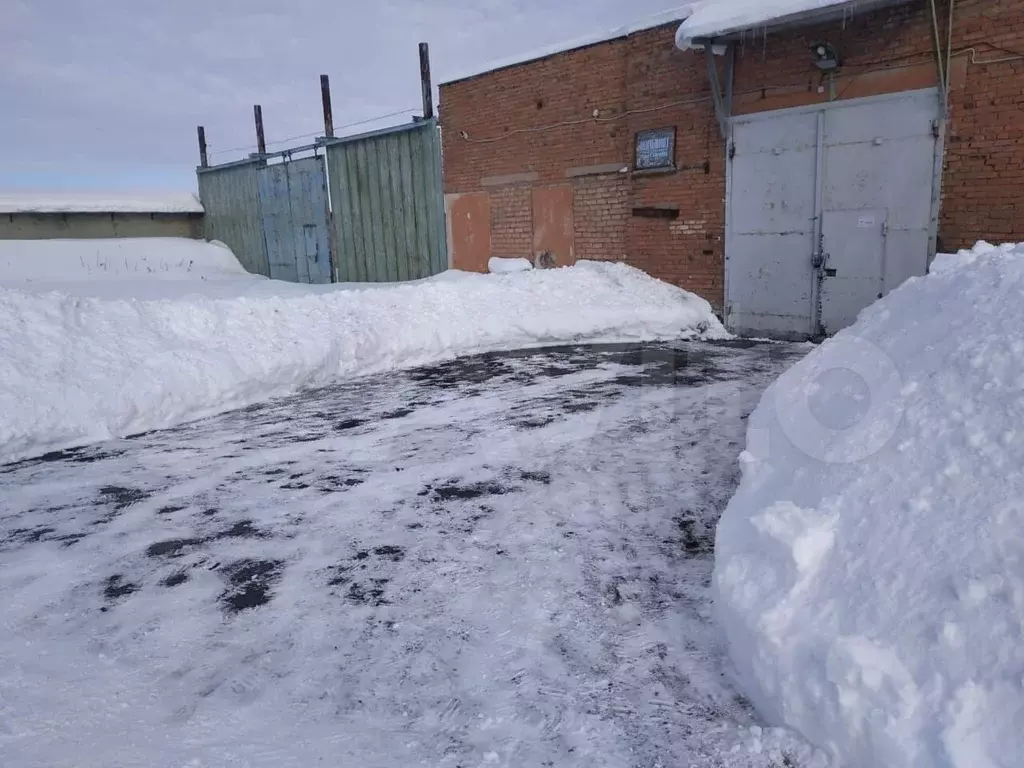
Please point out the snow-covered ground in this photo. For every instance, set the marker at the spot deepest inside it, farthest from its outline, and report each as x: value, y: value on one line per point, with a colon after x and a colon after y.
x: 499, y: 561
x: 870, y: 569
x: 497, y: 265
x: 122, y: 268
x: 109, y: 338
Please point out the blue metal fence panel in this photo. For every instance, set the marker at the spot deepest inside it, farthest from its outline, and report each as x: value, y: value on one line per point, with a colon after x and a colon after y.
x: 230, y: 195
x: 388, y: 204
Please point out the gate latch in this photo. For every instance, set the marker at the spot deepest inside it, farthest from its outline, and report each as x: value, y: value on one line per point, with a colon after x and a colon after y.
x: 818, y: 260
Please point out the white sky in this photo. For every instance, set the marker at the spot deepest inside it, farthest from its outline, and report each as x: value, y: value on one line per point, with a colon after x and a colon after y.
x: 106, y: 94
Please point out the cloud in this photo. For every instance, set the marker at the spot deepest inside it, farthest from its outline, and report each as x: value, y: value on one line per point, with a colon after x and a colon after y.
x: 114, y: 90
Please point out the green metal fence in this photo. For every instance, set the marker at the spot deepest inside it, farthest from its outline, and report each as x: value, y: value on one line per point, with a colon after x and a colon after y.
x: 388, y: 204
x: 231, y: 197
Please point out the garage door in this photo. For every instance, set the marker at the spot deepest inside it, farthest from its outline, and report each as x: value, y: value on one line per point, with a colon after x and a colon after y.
x: 829, y: 208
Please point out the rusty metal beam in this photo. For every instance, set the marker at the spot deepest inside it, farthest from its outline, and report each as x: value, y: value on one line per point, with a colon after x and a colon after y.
x: 261, y: 140
x: 425, y: 83
x: 325, y: 97
x: 204, y: 161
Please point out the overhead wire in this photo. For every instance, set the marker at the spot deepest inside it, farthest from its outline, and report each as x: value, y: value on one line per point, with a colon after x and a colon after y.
x: 316, y: 133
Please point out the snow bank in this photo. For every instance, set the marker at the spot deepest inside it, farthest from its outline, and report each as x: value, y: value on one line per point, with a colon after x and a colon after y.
x: 870, y: 569
x: 95, y: 202
x: 51, y: 262
x: 141, y: 268
x: 78, y: 369
x: 499, y: 266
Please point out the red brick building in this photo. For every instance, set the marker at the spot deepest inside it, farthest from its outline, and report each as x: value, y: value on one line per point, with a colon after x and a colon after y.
x: 552, y: 154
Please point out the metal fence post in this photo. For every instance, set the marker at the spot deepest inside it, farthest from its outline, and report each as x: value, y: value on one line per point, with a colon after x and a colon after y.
x: 203, y: 159
x: 261, y: 141
x: 325, y: 96
x: 428, y: 88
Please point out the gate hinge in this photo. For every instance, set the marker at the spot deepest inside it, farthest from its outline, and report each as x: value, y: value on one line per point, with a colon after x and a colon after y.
x: 935, y: 128
x: 732, y: 149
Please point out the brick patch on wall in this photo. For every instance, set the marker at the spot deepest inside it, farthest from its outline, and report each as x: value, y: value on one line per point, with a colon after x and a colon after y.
x: 511, y: 221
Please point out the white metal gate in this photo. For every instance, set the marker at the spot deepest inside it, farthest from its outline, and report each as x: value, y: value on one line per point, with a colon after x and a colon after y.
x: 829, y: 208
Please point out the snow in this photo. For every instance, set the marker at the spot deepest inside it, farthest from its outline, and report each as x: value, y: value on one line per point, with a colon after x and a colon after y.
x: 96, y: 202
x: 711, y: 18
x: 116, y: 267
x: 497, y: 265
x: 869, y: 571
x: 92, y: 359
x: 648, y: 22
x: 498, y: 562
x: 147, y: 268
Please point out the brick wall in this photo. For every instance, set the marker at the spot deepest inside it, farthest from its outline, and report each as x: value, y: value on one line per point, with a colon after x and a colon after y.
x: 669, y: 87
x: 983, y: 186
x: 501, y: 111
x: 511, y: 221
x: 539, y: 118
x: 601, y: 207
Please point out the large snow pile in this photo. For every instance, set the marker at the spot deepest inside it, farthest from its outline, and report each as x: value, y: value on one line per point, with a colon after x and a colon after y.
x: 870, y: 569
x: 78, y: 368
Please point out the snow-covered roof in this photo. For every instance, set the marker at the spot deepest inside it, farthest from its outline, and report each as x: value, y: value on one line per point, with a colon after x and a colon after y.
x: 721, y: 18
x: 95, y: 202
x: 584, y: 41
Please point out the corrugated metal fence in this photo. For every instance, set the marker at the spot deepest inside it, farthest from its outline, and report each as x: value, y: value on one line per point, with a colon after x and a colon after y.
x: 384, y: 221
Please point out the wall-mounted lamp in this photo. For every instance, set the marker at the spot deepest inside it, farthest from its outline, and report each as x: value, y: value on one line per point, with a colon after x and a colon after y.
x: 825, y: 57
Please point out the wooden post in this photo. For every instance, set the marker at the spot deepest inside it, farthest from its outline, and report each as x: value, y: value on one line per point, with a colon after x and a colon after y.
x: 261, y: 141
x: 204, y: 161
x: 428, y: 88
x: 325, y: 96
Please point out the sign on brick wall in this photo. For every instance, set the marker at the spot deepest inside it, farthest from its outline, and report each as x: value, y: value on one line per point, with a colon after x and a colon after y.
x: 655, y: 149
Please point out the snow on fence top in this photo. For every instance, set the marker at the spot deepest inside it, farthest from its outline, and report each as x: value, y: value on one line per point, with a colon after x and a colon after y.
x: 648, y: 22
x: 92, y: 202
x: 716, y: 18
